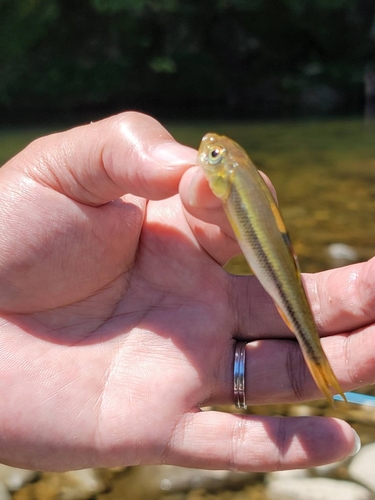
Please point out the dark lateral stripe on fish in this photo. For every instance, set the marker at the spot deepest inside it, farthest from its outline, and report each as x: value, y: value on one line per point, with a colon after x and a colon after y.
x: 259, y: 250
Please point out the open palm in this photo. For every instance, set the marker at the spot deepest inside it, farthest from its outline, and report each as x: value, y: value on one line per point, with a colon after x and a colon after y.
x: 118, y: 321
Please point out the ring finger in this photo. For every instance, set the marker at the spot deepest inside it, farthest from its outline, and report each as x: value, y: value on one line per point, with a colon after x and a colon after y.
x: 275, y: 371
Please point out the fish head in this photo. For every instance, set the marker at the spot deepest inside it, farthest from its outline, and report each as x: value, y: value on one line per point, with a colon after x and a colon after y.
x: 215, y: 156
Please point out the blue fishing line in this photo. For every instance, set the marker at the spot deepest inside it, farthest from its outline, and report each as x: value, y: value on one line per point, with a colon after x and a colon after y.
x: 356, y: 398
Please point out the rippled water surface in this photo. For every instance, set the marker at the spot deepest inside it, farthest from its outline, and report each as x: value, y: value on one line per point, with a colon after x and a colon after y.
x: 324, y: 174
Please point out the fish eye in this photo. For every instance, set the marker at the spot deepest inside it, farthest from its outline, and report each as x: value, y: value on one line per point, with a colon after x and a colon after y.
x: 215, y: 155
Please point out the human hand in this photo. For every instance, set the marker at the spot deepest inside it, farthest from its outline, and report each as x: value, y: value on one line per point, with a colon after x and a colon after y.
x: 118, y: 322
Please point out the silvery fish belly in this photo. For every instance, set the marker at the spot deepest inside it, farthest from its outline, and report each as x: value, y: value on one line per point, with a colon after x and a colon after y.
x: 260, y: 231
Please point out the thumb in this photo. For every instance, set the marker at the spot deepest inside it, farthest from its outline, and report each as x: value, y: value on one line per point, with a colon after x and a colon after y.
x: 96, y: 163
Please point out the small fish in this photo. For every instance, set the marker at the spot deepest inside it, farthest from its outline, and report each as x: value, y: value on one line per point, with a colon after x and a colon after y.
x: 261, y: 233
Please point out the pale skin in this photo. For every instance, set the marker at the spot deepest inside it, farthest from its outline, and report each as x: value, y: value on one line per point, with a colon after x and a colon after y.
x: 118, y: 322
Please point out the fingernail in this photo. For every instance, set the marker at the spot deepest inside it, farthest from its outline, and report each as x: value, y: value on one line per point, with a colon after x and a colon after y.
x: 357, y: 444
x: 173, y: 155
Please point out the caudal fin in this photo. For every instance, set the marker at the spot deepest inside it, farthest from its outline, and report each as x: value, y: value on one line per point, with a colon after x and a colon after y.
x: 325, y: 379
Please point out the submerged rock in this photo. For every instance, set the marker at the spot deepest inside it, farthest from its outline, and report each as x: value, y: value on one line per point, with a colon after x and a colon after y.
x: 74, y: 485
x: 317, y: 489
x: 152, y: 482
x: 4, y: 493
x: 286, y: 475
x: 341, y: 254
x: 361, y: 467
x: 14, y: 478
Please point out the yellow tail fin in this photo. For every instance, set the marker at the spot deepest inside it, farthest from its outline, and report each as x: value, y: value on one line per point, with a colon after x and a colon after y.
x: 321, y: 372
x: 325, y: 379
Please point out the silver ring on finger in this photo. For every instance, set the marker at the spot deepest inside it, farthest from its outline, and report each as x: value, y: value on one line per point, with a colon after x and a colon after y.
x: 239, y: 375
